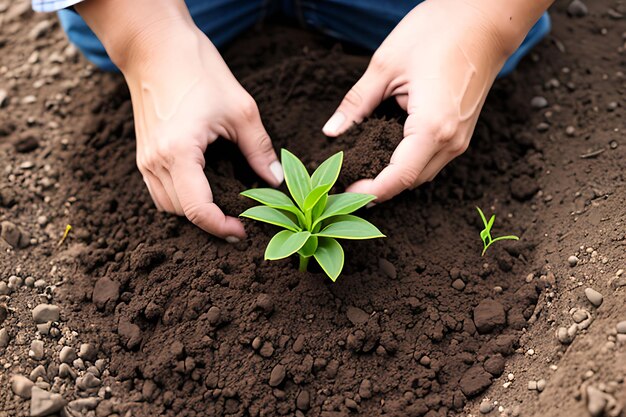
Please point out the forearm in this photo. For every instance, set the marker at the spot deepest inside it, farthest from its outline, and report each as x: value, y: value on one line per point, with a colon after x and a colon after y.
x: 131, y: 30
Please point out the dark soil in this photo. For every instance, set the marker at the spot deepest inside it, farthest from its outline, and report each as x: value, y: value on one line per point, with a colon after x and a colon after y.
x: 193, y: 326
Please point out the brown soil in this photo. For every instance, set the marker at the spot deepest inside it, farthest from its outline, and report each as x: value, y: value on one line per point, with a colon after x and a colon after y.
x: 192, y: 326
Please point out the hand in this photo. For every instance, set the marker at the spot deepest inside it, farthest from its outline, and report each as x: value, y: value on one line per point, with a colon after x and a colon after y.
x: 182, y: 101
x: 439, y: 63
x: 184, y: 97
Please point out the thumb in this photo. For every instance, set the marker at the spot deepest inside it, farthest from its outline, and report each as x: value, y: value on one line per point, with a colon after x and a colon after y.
x: 359, y: 103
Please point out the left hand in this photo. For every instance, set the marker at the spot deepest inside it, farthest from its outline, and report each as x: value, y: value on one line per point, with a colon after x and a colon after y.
x: 439, y: 63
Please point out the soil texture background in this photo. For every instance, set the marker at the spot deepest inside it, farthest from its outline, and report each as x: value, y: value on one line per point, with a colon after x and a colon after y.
x: 158, y: 318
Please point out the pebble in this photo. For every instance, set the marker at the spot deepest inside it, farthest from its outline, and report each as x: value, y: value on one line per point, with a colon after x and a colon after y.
x: 21, y: 386
x: 30, y: 282
x: 594, y: 297
x: 87, y: 352
x: 532, y: 385
x: 356, y: 315
x: 596, y: 401
x: 577, y: 9
x: 84, y: 404
x: 565, y: 336
x: 350, y: 403
x: 570, y: 130
x: 44, y: 313
x: 67, y: 355
x: 13, y: 235
x: 267, y: 350
x: 36, y: 350
x: 365, y: 389
x: 4, y: 338
x: 541, y: 385
x: 66, y: 371
x: 488, y: 315
x: 3, y: 97
x: 4, y: 288
x: 265, y: 303
x: 572, y: 261
x: 458, y: 284
x: 44, y: 403
x: 543, y: 127
x: 87, y: 381
x: 105, y: 293
x: 38, y: 372
x: 213, y: 315
x: 486, y: 406
x: 277, y: 375
x: 303, y: 401
x: 538, y: 102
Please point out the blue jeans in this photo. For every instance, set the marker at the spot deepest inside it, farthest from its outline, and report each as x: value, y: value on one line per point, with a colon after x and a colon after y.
x: 362, y: 22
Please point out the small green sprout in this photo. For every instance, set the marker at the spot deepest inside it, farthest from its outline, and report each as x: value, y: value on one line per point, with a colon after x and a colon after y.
x: 316, y: 219
x: 485, y: 234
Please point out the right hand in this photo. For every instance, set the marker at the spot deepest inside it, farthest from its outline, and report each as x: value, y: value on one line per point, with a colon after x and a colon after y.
x: 184, y: 97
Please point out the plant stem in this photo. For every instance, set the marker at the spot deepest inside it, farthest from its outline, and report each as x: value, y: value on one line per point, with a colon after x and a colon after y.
x: 304, y: 263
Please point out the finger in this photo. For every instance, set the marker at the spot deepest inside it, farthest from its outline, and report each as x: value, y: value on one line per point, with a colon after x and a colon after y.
x: 434, y: 167
x: 157, y: 192
x: 168, y: 186
x: 359, y: 103
x: 408, y: 161
x: 402, y: 100
x: 256, y: 145
x: 196, y: 199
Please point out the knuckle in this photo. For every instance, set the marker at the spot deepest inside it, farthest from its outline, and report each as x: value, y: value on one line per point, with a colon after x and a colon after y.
x: 354, y: 97
x: 407, y: 177
x: 439, y: 128
x: 457, y: 147
x: 379, y: 62
x: 248, y: 109
x: 193, y: 212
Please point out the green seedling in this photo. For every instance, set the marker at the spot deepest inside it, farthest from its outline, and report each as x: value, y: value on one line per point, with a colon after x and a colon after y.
x: 314, y: 222
x: 485, y: 234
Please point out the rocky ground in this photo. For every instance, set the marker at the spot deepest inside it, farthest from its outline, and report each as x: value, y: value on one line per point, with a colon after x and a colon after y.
x: 137, y: 313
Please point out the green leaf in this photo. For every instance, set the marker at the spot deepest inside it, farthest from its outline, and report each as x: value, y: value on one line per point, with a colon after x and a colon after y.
x: 484, y: 235
x: 329, y: 255
x: 314, y: 196
x: 490, y: 224
x: 284, y: 244
x: 275, y: 199
x: 271, y: 216
x: 350, y: 227
x: 510, y: 237
x: 344, y: 203
x: 482, y: 216
x: 319, y: 208
x: 309, y: 247
x: 328, y: 172
x: 296, y: 177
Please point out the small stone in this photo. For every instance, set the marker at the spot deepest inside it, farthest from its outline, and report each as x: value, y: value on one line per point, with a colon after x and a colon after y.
x: 44, y: 328
x: 38, y: 372
x: 594, y: 297
x: 30, y: 282
x: 538, y: 102
x: 580, y: 315
x: 543, y: 127
x: 365, y: 389
x: 570, y: 131
x: 67, y: 355
x: 458, y: 284
x: 596, y: 401
x: 486, y: 407
x: 44, y: 403
x: 39, y: 30
x: 298, y: 344
x: 4, y: 338
x: 66, y: 371
x: 577, y: 9
x: 425, y: 361
x: 356, y: 315
x: 474, y: 381
x: 267, y: 350
x: 87, y: 352
x: 621, y: 328
x: 3, y: 97
x: 387, y: 268
x: 44, y: 313
x: 25, y: 144
x: 13, y: 235
x: 84, y: 404
x: 4, y: 288
x: 36, y: 350
x: 105, y: 293
x: 265, y: 303
x: 495, y: 365
x: 488, y: 315
x: 541, y: 385
x: 277, y: 375
x: 532, y: 385
x: 130, y: 334
x: 303, y: 401
x: 572, y: 261
x: 21, y: 386
x: 350, y: 403
x: 257, y: 342
x: 87, y: 381
x: 213, y: 315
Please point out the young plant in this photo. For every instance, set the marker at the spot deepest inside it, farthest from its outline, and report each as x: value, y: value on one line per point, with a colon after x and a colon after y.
x: 316, y: 219
x: 485, y: 234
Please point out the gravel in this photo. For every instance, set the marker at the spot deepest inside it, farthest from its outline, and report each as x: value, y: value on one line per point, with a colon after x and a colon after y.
x: 67, y: 355
x: 4, y: 288
x: 36, y: 350
x: 594, y: 297
x: 277, y: 375
x: 87, y: 352
x: 572, y: 261
x: 44, y: 313
x: 621, y: 327
x: 538, y: 102
x: 577, y: 9
x: 486, y: 407
x: 44, y: 403
x: 4, y: 338
x: 22, y: 386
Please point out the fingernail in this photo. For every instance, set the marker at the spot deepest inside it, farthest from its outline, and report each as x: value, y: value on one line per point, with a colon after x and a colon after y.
x: 334, y: 123
x: 370, y: 205
x: 232, y: 239
x: 277, y: 171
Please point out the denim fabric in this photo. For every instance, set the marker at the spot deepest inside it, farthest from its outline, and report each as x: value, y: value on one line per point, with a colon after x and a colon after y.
x: 362, y: 22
